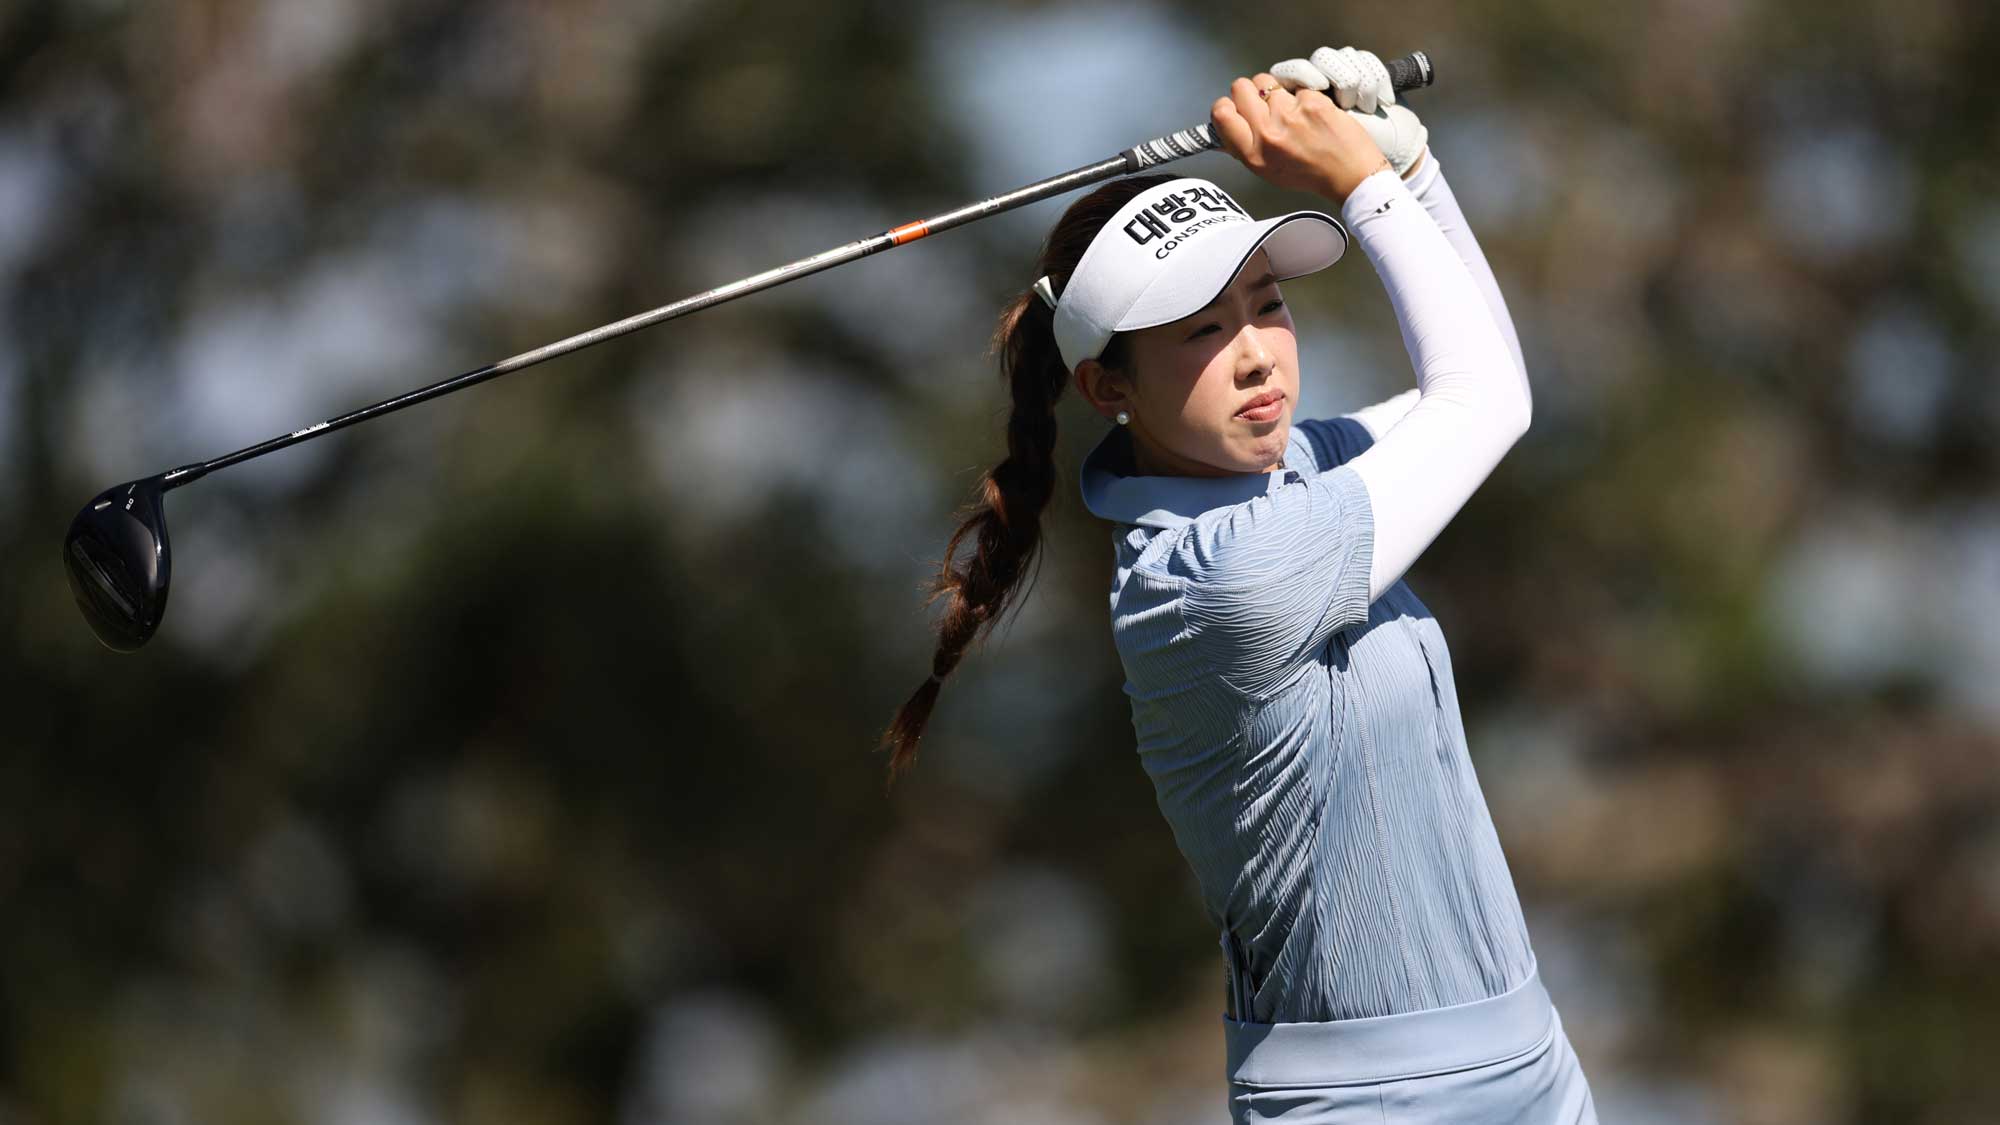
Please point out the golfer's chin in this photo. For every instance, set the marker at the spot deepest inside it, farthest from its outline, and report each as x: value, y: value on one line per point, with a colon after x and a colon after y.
x: 1257, y: 455
x: 1237, y: 446
x: 1257, y: 447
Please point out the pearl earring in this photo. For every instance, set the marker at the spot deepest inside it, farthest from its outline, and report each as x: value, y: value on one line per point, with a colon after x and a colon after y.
x: 1123, y: 417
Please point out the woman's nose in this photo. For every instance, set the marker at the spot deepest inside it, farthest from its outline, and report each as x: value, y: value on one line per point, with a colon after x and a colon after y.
x: 1255, y: 356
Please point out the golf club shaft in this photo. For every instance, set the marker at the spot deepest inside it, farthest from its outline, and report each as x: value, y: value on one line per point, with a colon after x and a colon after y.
x: 1410, y: 71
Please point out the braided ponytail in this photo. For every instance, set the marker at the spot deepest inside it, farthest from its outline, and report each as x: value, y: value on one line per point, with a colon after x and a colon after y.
x: 1005, y: 523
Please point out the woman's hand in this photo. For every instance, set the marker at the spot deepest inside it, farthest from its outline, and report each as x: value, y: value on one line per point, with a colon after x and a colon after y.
x: 1359, y: 83
x: 1300, y: 141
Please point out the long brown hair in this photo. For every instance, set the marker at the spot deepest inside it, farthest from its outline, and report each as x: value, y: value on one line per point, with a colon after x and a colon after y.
x: 1005, y: 521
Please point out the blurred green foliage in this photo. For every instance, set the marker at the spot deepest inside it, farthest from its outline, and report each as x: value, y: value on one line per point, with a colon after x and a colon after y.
x: 510, y: 760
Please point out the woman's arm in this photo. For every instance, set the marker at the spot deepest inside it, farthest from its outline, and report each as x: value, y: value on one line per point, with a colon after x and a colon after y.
x: 1429, y: 186
x: 1472, y: 402
x: 1381, y: 417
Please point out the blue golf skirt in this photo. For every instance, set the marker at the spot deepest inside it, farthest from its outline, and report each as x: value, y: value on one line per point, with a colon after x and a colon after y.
x: 1502, y: 1059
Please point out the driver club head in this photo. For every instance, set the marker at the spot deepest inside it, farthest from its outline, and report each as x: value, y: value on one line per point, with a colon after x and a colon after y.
x: 116, y: 557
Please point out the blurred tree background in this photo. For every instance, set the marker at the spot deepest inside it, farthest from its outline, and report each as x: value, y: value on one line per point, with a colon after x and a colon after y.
x: 509, y: 760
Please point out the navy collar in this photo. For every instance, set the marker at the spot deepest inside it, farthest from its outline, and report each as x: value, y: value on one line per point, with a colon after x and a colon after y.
x: 1112, y: 491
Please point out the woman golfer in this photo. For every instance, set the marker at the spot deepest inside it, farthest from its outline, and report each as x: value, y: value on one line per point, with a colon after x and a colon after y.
x: 1293, y: 701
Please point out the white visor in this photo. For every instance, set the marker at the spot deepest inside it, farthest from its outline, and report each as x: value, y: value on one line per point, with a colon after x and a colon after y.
x: 1169, y: 252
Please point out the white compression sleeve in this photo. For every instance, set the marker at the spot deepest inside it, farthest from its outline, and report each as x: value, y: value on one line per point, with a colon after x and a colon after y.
x: 1472, y: 400
x: 1382, y: 416
x: 1431, y: 190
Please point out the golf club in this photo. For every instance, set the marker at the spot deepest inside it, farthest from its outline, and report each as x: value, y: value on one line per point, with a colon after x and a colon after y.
x: 116, y: 551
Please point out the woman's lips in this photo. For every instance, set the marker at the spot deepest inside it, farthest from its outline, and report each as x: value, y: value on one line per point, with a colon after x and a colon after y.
x: 1264, y: 408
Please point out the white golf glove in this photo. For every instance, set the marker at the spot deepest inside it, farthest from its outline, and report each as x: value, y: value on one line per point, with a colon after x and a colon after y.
x: 1359, y: 83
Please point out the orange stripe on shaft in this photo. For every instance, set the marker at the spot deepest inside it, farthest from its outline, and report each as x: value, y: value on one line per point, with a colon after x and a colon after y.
x: 909, y: 232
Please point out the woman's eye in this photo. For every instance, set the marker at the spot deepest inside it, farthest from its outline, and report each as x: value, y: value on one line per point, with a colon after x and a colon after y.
x: 1270, y: 307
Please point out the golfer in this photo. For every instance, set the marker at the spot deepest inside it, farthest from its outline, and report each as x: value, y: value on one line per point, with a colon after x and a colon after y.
x: 1292, y: 698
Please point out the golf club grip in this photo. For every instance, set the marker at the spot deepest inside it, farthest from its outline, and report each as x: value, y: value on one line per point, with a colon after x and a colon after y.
x: 1411, y: 72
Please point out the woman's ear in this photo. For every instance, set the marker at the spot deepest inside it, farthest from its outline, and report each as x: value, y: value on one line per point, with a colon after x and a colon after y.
x: 1107, y: 391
